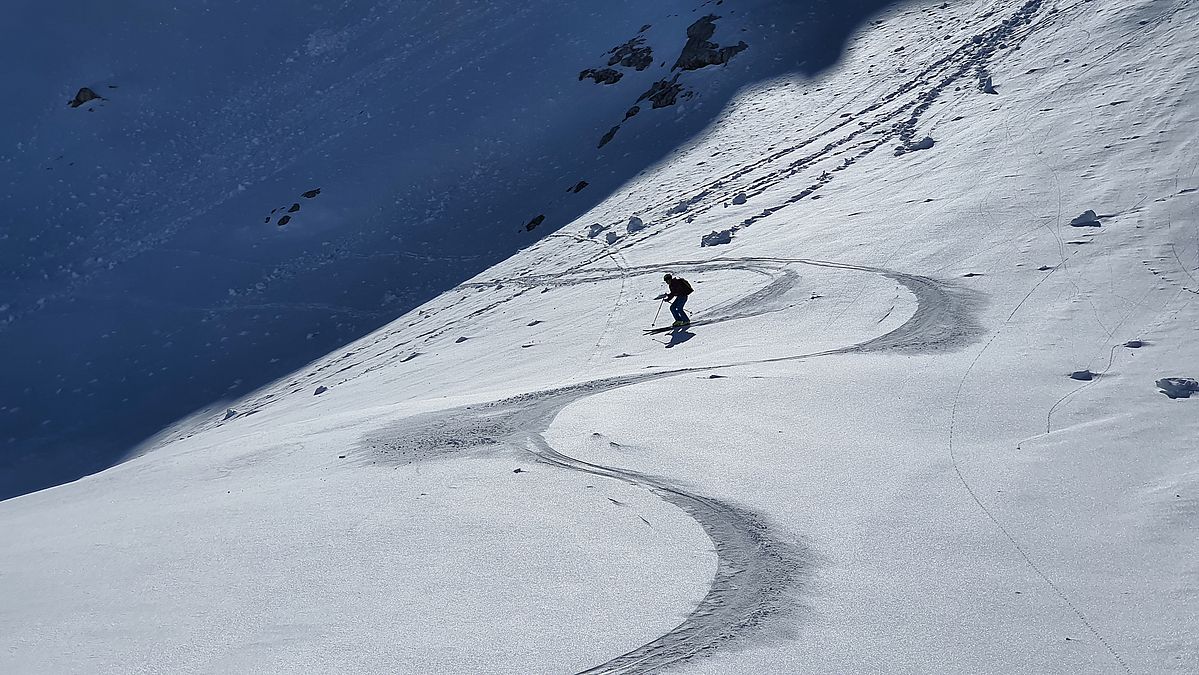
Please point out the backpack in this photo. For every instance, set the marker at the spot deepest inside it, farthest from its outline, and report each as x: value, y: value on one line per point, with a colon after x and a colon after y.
x: 685, y: 287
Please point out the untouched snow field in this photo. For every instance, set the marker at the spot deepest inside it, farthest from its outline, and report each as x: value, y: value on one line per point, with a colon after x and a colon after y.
x: 867, y: 454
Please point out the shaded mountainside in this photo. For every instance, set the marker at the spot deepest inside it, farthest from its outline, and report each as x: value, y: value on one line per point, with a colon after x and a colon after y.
x: 164, y: 245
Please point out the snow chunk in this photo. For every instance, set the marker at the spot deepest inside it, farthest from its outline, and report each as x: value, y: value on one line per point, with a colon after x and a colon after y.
x: 636, y: 224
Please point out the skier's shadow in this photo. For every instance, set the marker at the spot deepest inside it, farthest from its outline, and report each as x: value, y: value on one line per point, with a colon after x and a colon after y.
x: 679, y: 336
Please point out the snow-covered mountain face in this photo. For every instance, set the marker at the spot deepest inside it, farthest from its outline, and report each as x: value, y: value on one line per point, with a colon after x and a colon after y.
x: 936, y: 411
x: 200, y: 197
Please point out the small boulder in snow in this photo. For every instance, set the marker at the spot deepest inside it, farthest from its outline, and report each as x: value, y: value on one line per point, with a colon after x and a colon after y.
x: 612, y: 238
x: 84, y: 95
x: 1087, y: 219
x: 595, y: 229
x: 636, y: 224
x: 1084, y: 375
x: 1178, y: 387
x: 739, y: 199
x: 717, y: 238
x: 230, y: 414
x: 320, y: 390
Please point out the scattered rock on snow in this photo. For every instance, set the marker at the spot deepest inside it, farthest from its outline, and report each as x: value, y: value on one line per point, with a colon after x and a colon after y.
x: 739, y: 199
x: 699, y: 52
x: 293, y: 208
x: 461, y: 340
x: 602, y: 75
x: 84, y: 95
x: 636, y: 224
x: 230, y: 414
x: 717, y: 238
x: 986, y: 86
x: 578, y: 187
x: 283, y: 221
x: 1087, y: 219
x: 1082, y: 375
x: 595, y: 229
x: 320, y: 390
x: 1178, y: 387
x: 925, y: 143
x: 663, y: 93
x: 1134, y: 344
x: 633, y: 54
x: 532, y: 224
x: 607, y: 138
x: 612, y: 238
x: 311, y: 193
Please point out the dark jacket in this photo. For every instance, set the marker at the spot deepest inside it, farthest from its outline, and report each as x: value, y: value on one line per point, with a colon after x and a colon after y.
x: 678, y: 287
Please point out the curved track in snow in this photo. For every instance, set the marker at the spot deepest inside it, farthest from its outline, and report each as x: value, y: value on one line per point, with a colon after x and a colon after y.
x: 759, y: 569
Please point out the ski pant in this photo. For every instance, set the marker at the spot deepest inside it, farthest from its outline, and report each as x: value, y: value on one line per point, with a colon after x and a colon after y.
x: 676, y: 309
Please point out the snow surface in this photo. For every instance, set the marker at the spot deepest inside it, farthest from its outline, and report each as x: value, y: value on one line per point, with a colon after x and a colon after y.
x: 865, y: 455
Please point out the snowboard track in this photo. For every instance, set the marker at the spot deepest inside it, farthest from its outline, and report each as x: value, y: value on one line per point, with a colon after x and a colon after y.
x: 760, y: 569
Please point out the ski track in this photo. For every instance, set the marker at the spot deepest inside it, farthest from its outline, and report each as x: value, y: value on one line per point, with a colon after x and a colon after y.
x: 760, y: 569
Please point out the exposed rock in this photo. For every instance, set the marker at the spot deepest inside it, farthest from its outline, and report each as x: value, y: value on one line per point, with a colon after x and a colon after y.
x: 632, y: 111
x: 633, y: 54
x: 311, y: 193
x: 663, y: 92
x: 612, y: 237
x: 320, y: 390
x: 699, y: 52
x: 739, y: 199
x: 1082, y: 375
x: 601, y: 76
x: 986, y: 86
x: 532, y: 224
x: 578, y: 187
x: 1178, y: 387
x: 717, y: 238
x: 230, y: 414
x: 84, y: 95
x: 293, y: 208
x: 1087, y: 219
x: 283, y: 221
x: 636, y: 225
x: 608, y: 136
x: 595, y: 229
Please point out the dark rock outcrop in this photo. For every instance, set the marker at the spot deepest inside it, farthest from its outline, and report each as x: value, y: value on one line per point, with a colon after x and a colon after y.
x: 699, y: 52
x: 84, y: 95
x: 663, y: 92
x: 633, y: 54
x: 532, y: 224
x: 602, y: 76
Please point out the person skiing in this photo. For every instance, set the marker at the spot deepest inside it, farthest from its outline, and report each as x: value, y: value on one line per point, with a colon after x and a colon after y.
x: 679, y: 290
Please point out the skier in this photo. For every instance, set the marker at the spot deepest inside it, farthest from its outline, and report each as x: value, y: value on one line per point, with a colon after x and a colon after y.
x: 679, y: 290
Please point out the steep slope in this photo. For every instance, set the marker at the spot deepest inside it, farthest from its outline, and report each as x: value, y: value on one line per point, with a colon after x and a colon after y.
x: 876, y: 449
x: 203, y: 197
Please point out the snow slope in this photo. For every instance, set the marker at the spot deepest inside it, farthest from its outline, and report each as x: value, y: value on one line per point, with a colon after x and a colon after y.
x: 867, y: 454
x: 260, y: 183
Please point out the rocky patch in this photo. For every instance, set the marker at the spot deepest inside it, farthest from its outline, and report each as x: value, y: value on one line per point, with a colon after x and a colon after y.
x: 700, y: 52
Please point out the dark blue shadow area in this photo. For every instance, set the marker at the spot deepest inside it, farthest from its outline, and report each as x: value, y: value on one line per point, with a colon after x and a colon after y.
x: 164, y: 246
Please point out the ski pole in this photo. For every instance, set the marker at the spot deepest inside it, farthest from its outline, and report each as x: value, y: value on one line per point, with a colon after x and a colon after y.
x: 655, y: 321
